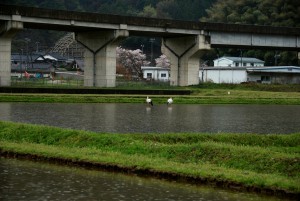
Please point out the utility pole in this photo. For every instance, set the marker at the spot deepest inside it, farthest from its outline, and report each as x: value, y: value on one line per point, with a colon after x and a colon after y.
x: 142, y: 46
x: 241, y: 55
x: 21, y: 64
x: 37, y: 46
x: 27, y: 51
x: 152, y: 41
x: 276, y: 57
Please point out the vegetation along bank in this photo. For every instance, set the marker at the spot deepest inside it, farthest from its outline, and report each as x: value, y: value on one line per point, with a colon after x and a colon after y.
x: 200, y: 94
x: 261, y: 163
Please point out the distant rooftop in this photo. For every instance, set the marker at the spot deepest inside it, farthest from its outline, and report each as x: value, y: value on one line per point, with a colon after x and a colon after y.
x: 245, y: 59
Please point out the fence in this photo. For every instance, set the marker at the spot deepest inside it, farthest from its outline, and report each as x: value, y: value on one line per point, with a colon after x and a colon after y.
x: 77, y: 83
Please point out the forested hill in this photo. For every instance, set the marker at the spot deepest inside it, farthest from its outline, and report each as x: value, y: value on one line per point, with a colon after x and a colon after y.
x: 172, y: 9
x: 260, y: 12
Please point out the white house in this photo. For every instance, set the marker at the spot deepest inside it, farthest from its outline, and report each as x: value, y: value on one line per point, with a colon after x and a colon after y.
x: 236, y: 75
x: 237, y: 62
x: 156, y: 73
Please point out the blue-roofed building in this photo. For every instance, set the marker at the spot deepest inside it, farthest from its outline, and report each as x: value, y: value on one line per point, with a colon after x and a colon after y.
x: 238, y: 62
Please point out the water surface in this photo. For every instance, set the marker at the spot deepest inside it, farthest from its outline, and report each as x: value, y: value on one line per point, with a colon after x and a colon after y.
x: 138, y: 118
x: 26, y: 180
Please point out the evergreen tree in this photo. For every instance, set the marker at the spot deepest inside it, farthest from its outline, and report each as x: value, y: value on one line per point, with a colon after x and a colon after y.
x: 259, y: 12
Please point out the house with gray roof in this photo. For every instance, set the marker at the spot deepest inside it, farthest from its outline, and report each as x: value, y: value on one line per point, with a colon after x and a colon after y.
x: 275, y: 74
x: 237, y: 75
x: 238, y: 62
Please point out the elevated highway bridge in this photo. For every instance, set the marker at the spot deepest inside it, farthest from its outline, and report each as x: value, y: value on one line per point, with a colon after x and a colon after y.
x: 182, y: 41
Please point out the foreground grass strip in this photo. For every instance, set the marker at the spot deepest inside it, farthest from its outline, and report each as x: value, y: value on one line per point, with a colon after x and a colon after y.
x: 205, y: 172
x: 252, y: 161
x: 213, y: 98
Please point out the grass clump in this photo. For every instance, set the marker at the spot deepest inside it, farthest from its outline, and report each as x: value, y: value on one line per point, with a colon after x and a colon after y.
x: 261, y: 161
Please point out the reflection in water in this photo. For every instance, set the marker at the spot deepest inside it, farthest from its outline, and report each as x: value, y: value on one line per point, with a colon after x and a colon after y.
x: 140, y: 118
x: 25, y: 180
x: 170, y: 109
x: 148, y: 109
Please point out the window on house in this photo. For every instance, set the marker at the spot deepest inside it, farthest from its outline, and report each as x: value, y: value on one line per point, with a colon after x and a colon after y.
x: 244, y: 64
x: 266, y: 78
x: 163, y: 75
x: 149, y: 75
x: 236, y: 64
x: 252, y: 64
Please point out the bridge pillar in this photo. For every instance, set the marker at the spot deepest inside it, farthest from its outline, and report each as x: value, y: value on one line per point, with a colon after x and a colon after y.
x: 100, y: 59
x: 184, y: 54
x: 8, y: 29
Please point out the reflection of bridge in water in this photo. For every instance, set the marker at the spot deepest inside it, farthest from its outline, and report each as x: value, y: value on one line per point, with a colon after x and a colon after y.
x: 182, y: 41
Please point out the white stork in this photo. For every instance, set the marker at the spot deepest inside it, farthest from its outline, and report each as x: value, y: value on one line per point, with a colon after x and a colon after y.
x: 169, y: 101
x: 149, y: 101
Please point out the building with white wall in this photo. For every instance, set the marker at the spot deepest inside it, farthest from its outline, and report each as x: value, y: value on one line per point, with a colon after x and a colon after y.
x: 156, y: 73
x: 237, y: 62
x: 237, y: 75
x: 275, y: 74
x: 233, y: 75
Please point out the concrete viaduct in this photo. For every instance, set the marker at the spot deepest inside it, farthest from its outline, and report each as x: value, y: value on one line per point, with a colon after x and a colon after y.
x: 182, y: 41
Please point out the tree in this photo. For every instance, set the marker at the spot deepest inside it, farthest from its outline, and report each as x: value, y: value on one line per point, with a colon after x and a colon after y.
x: 148, y: 11
x: 131, y: 60
x: 163, y: 61
x: 165, y: 8
x: 258, y: 12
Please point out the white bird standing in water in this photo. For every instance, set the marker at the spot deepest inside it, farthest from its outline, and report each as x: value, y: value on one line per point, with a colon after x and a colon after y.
x: 170, y: 101
x: 149, y: 101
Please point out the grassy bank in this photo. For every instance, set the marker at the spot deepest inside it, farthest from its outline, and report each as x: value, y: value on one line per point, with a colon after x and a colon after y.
x: 203, y: 97
x: 201, y: 94
x: 257, y: 162
x: 207, y: 97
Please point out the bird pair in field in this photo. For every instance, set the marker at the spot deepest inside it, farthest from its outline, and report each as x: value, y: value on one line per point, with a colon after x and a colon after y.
x: 149, y: 101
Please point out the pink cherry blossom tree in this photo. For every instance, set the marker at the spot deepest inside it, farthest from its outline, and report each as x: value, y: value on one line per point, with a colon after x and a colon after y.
x: 132, y: 60
x: 162, y: 61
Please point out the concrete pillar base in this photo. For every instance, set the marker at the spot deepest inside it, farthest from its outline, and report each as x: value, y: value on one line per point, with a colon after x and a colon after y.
x: 7, y: 31
x: 5, y: 61
x: 184, y: 54
x: 100, y: 57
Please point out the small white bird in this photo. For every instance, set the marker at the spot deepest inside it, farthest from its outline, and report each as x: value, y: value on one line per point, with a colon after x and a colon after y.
x: 149, y: 101
x: 170, y: 101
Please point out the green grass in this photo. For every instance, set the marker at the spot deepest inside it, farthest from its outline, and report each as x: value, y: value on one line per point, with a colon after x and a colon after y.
x: 251, y: 86
x: 201, y: 94
x: 237, y: 97
x: 250, y: 160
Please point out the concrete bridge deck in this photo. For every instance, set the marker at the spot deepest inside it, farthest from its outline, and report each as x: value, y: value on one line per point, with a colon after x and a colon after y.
x: 41, y: 18
x: 182, y: 41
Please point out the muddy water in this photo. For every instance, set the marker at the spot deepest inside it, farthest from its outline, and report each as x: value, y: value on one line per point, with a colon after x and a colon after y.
x: 138, y: 118
x: 26, y: 180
